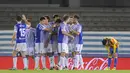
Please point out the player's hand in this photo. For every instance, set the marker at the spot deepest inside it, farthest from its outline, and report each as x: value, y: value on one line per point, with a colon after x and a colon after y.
x: 23, y: 17
x: 72, y: 37
x: 54, y: 25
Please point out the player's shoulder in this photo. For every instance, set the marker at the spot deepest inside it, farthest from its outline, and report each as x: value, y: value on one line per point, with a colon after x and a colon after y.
x: 38, y: 25
x: 51, y: 23
x: 62, y: 24
x: 79, y: 25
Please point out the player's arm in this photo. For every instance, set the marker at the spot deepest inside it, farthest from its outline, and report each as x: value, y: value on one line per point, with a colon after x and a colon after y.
x: 49, y: 37
x: 47, y: 29
x: 67, y: 34
x: 107, y: 48
x: 78, y: 30
x: 25, y: 20
x: 14, y: 35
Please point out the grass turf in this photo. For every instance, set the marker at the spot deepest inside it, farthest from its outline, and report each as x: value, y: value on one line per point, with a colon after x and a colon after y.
x: 64, y: 71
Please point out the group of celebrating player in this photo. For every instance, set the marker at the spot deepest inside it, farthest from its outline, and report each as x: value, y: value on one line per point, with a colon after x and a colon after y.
x: 62, y: 35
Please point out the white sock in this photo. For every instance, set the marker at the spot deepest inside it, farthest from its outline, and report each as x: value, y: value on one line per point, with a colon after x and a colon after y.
x: 62, y: 61
x: 59, y: 63
x: 28, y: 62
x: 37, y: 61
x: 25, y: 62
x: 52, y: 64
x: 14, y: 62
x: 66, y: 61
x: 76, y: 62
x: 81, y: 61
x: 43, y: 60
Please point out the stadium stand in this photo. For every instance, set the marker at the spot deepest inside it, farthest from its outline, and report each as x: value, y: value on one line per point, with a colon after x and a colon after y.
x: 92, y: 43
x: 92, y: 18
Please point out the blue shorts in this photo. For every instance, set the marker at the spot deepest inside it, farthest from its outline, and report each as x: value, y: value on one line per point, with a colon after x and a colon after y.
x: 112, y: 50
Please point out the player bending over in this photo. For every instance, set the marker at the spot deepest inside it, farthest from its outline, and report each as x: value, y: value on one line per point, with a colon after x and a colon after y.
x: 111, y: 45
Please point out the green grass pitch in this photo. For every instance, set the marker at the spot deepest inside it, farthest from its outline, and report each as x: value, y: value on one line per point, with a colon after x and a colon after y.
x: 64, y: 71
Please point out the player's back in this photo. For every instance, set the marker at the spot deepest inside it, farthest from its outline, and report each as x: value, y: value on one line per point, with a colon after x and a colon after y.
x: 30, y: 37
x: 20, y: 30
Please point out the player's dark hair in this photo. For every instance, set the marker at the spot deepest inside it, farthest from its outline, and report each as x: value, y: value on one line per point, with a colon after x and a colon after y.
x: 42, y: 18
x: 76, y: 16
x: 65, y: 17
x: 18, y: 18
x: 55, y: 15
x: 29, y: 19
x: 47, y: 17
x: 104, y: 41
x: 58, y: 21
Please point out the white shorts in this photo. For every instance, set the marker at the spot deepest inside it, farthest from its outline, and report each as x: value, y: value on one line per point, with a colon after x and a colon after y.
x: 39, y: 48
x: 30, y: 51
x: 54, y: 47
x: 71, y: 47
x: 63, y: 47
x: 20, y: 47
x: 78, y: 48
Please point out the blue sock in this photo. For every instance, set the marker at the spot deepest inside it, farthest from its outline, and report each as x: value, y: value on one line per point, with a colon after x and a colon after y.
x: 115, y: 62
x: 109, y: 62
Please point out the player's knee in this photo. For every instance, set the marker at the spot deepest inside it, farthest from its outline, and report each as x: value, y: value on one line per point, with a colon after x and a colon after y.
x: 23, y: 54
x: 27, y: 56
x: 109, y: 55
x: 115, y: 55
x: 62, y: 54
x: 50, y: 54
x: 42, y: 54
x: 58, y: 54
x: 14, y: 53
x: 73, y: 54
x: 76, y: 52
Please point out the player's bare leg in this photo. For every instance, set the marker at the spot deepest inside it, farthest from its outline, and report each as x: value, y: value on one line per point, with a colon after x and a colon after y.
x: 51, y: 59
x: 66, y: 61
x: 14, y: 60
x: 109, y: 61
x: 81, y: 61
x: 43, y: 60
x: 62, y: 60
x: 76, y: 60
x: 24, y: 60
x: 37, y: 58
x: 115, y: 61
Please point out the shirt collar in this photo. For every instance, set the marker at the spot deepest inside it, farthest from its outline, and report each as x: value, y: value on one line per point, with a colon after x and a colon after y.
x: 65, y: 23
x: 19, y: 22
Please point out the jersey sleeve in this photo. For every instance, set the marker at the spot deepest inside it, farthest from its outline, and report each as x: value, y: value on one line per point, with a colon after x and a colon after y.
x: 79, y: 29
x: 15, y: 28
x: 41, y: 27
x: 63, y: 28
